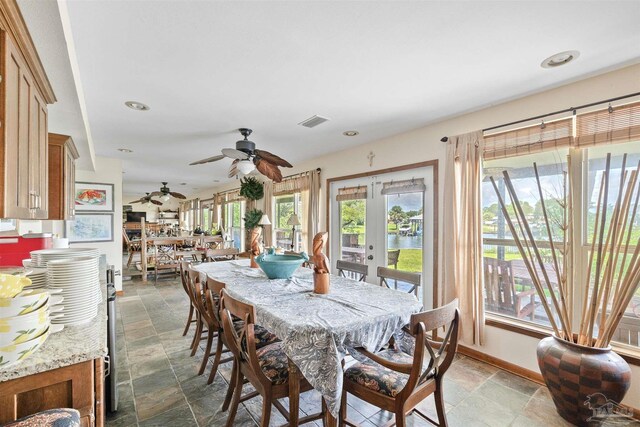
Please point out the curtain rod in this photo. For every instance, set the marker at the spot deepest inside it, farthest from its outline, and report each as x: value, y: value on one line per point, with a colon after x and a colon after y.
x: 284, y: 177
x: 566, y: 110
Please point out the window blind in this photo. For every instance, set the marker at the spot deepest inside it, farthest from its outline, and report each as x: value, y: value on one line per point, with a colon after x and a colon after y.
x: 527, y: 140
x: 616, y: 125
x: 405, y: 186
x: 352, y: 193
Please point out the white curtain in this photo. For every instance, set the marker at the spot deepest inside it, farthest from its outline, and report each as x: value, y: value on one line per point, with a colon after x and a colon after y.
x: 463, y: 276
x: 311, y: 209
x: 267, y: 235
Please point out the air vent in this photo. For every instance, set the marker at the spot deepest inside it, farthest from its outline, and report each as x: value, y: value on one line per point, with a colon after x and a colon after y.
x: 313, y: 121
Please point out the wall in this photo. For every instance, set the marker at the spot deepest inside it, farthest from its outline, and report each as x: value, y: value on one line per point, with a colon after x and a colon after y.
x: 424, y: 144
x: 108, y: 171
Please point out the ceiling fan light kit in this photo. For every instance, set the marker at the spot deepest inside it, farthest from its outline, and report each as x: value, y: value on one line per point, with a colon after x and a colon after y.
x: 247, y: 158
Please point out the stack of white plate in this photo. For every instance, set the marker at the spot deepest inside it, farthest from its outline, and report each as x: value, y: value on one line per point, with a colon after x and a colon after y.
x: 78, y: 278
x: 42, y: 256
x: 38, y: 278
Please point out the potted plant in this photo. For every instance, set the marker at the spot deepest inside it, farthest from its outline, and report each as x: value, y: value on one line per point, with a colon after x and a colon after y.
x: 577, y: 362
x: 251, y: 188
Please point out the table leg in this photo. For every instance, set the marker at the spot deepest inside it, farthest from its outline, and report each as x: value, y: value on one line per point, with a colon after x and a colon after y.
x: 294, y: 394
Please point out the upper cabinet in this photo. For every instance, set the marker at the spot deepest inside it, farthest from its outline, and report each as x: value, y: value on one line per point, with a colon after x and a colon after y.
x: 24, y: 95
x: 62, y: 176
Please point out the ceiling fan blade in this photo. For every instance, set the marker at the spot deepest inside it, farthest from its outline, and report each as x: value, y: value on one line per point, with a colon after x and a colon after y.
x: 269, y: 170
x: 208, y: 160
x: 235, y: 154
x: 272, y: 158
x: 233, y: 170
x: 136, y: 201
x: 177, y: 195
x: 156, y: 202
x: 155, y: 193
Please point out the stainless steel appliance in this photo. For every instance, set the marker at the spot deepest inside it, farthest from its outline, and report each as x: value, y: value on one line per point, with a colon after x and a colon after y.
x: 111, y: 361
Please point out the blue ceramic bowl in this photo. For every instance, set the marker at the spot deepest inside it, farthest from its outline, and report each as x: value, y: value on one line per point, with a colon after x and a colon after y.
x: 280, y: 266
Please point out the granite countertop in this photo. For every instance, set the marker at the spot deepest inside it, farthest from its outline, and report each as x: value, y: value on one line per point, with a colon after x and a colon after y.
x: 74, y: 344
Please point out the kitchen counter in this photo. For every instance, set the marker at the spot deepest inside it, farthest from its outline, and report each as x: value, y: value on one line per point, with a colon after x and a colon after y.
x: 72, y: 345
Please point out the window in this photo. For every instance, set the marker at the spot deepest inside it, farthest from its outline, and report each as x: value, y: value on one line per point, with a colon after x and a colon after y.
x: 509, y: 291
x: 235, y: 223
x: 284, y: 207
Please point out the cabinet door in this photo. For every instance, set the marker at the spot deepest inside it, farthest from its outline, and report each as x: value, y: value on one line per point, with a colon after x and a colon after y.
x: 38, y: 163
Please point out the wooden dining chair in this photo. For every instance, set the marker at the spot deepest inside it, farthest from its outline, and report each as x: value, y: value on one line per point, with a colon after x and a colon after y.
x: 197, y: 298
x: 396, y: 381
x: 352, y: 270
x: 212, y: 294
x: 266, y: 368
x: 164, y: 256
x: 184, y: 277
x: 393, y: 257
x: 388, y: 274
x: 133, y: 246
x: 222, y: 254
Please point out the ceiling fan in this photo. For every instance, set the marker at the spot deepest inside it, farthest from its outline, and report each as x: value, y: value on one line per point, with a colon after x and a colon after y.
x: 147, y: 199
x: 247, y: 158
x: 165, y: 193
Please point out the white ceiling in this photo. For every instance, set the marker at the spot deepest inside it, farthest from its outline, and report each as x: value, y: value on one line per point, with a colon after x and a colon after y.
x: 207, y: 68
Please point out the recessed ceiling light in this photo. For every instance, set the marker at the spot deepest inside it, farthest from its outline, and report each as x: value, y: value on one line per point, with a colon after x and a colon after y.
x: 125, y: 150
x: 559, y: 59
x: 138, y: 106
x: 183, y: 183
x: 351, y: 133
x: 216, y: 180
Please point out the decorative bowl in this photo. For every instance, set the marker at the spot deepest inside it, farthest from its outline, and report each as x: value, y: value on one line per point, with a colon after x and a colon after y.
x: 22, y: 328
x: 280, y: 266
x: 13, y: 353
x: 23, y: 303
x: 11, y: 285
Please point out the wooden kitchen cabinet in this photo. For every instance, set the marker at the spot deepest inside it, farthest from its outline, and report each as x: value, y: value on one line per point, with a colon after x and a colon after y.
x: 79, y: 386
x: 24, y: 95
x: 62, y: 176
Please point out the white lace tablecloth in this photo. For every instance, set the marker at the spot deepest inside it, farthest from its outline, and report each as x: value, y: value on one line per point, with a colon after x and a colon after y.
x: 316, y: 330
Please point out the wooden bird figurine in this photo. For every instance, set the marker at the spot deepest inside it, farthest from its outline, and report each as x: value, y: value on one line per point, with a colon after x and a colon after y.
x: 256, y: 232
x: 320, y: 260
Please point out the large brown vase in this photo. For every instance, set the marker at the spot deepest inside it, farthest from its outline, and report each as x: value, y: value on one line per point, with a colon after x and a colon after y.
x: 574, y: 372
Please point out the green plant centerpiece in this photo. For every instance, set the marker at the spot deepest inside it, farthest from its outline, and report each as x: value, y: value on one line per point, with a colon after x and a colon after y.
x: 251, y: 189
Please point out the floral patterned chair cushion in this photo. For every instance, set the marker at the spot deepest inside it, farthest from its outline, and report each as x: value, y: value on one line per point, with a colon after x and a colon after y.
x: 63, y: 417
x: 274, y: 363
x: 378, y: 378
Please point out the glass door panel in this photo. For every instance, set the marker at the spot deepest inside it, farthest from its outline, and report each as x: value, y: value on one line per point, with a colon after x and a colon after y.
x: 353, y: 220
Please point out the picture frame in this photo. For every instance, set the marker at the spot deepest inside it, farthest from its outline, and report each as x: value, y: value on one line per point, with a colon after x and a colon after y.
x: 90, y: 227
x: 93, y: 197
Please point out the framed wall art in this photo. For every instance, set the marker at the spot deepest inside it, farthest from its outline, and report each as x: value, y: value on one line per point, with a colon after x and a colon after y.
x: 93, y: 197
x: 90, y: 227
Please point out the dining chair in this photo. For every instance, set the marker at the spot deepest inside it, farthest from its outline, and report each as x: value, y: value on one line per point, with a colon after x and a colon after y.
x: 202, y: 331
x: 352, y: 270
x: 225, y: 254
x: 397, y: 381
x: 164, y: 256
x: 184, y: 277
x: 387, y: 274
x: 393, y: 257
x: 211, y: 294
x: 133, y: 246
x: 266, y: 368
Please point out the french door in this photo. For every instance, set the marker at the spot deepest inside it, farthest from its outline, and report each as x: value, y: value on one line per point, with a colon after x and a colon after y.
x: 386, y: 220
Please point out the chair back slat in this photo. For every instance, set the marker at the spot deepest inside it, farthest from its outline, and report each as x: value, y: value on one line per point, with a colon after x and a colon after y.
x: 227, y: 253
x: 387, y: 274
x: 215, y: 290
x: 184, y: 275
x: 242, y: 343
x: 442, y: 351
x: 352, y: 270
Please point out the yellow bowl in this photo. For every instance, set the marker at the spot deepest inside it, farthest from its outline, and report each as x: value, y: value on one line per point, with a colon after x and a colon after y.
x: 11, y: 285
x: 14, y: 353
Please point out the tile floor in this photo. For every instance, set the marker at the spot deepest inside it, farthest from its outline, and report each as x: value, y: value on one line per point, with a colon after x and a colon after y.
x: 159, y: 385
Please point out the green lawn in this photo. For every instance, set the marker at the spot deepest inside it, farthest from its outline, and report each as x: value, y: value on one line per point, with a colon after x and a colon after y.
x: 410, y: 260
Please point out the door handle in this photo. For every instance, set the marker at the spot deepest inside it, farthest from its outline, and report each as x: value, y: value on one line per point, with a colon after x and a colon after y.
x: 370, y: 257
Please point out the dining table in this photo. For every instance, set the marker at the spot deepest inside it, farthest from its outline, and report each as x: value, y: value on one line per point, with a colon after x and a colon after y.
x: 317, y: 330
